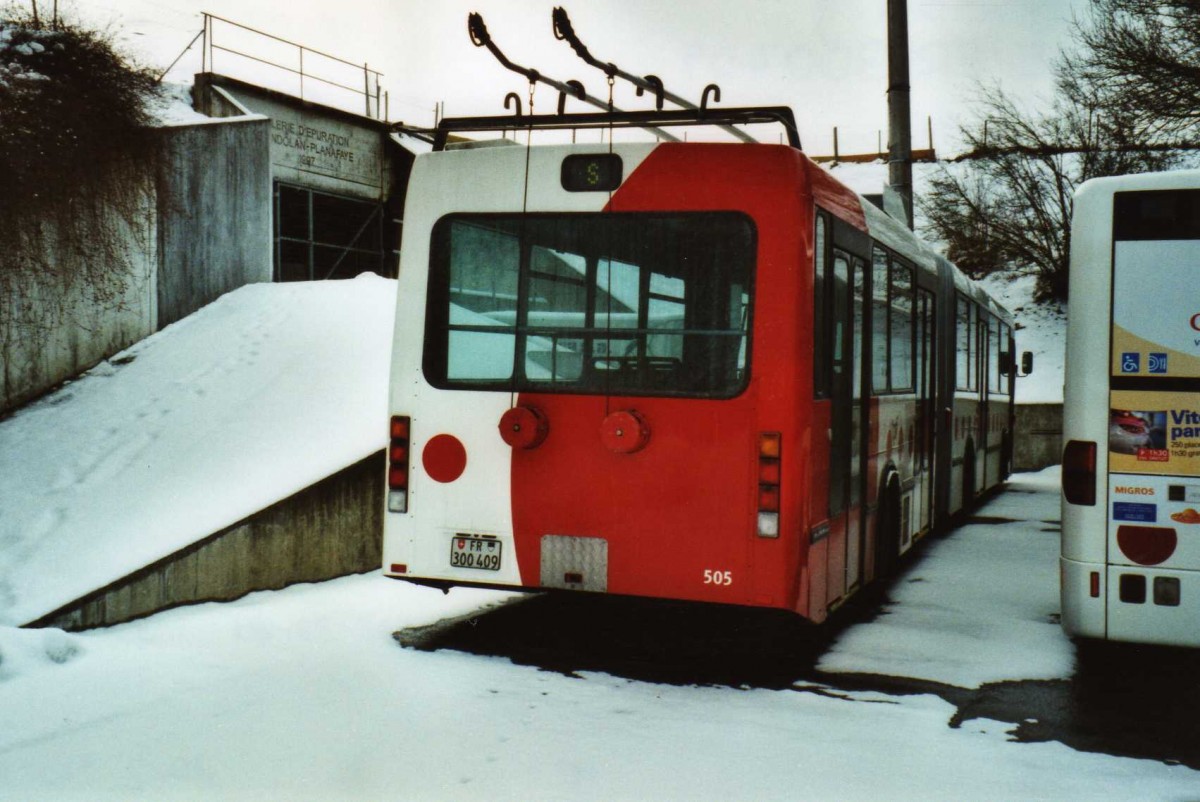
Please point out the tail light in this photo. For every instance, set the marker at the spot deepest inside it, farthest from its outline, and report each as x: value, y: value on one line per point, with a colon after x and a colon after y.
x: 1079, y: 473
x: 398, y: 452
x: 769, y: 472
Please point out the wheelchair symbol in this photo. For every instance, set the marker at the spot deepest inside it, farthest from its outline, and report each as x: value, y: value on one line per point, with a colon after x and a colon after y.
x: 1131, y: 362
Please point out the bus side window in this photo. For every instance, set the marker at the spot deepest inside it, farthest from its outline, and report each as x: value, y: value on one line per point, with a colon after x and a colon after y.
x: 975, y: 340
x: 879, y: 322
x: 994, y: 352
x: 962, y: 343
x: 900, y: 306
x: 822, y: 358
x: 484, y: 262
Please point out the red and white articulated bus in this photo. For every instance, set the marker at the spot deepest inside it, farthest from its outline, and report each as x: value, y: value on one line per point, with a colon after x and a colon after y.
x: 692, y: 371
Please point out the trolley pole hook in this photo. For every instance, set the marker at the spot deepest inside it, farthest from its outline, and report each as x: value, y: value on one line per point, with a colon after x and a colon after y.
x: 481, y: 38
x: 716, y: 93
x: 577, y: 91
x: 515, y: 99
x: 657, y: 84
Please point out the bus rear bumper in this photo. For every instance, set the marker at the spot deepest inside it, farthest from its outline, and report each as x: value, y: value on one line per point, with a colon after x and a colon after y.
x: 1134, y: 604
x: 1083, y: 615
x: 1154, y: 605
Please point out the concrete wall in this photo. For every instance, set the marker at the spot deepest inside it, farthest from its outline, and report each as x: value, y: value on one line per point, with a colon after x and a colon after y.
x: 54, y: 324
x: 1039, y: 436
x: 214, y: 201
x: 330, y: 529
x: 206, y: 230
x: 311, y: 145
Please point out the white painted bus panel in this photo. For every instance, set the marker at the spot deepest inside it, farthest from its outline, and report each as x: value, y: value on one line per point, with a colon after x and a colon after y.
x: 1087, y: 348
x: 465, y: 181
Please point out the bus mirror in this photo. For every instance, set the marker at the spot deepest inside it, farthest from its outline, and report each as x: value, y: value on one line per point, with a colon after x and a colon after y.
x: 1026, y: 363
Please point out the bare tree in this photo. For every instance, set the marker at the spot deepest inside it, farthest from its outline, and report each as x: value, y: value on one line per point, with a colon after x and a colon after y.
x: 1008, y: 201
x: 1142, y: 59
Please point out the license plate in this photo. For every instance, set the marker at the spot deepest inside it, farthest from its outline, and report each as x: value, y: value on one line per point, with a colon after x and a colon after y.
x: 468, y: 551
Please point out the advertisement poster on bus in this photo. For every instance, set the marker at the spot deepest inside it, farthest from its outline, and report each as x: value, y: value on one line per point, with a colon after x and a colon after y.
x: 1154, y: 433
x: 1156, y: 309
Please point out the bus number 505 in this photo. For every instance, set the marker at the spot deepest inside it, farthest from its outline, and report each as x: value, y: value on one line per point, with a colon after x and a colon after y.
x: 712, y: 577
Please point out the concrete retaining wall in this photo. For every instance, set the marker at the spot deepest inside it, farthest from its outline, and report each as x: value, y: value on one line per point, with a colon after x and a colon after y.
x: 1039, y: 440
x: 214, y: 210
x: 54, y: 324
x: 206, y: 230
x: 330, y: 529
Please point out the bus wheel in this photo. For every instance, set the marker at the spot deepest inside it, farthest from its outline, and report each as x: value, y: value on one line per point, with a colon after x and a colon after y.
x: 887, y: 527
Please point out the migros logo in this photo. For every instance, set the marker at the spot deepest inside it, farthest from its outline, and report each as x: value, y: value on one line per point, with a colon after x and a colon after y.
x: 1133, y: 491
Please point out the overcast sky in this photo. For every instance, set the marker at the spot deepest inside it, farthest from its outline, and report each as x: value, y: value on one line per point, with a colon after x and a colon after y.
x: 825, y: 58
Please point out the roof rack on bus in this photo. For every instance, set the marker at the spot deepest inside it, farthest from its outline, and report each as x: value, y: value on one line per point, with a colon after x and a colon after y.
x: 755, y: 115
x: 481, y: 38
x: 565, y: 31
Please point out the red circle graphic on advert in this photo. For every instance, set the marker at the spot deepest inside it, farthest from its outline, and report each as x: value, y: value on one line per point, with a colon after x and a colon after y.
x: 444, y: 458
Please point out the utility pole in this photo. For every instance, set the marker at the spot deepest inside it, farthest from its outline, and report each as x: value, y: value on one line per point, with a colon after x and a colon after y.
x: 899, y: 116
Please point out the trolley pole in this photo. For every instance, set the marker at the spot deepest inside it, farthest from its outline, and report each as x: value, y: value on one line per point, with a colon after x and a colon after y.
x: 899, y: 116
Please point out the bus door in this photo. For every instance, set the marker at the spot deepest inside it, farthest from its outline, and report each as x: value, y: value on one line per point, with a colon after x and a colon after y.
x: 860, y: 422
x: 841, y: 422
x: 845, y: 456
x: 926, y: 407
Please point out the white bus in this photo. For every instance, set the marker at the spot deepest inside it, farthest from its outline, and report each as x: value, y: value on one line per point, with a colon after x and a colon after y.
x: 1130, y: 560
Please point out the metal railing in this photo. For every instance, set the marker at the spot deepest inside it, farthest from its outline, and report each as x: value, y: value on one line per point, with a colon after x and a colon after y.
x: 332, y: 73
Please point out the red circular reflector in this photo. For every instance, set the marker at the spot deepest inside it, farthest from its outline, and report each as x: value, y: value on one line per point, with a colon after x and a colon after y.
x: 444, y: 458
x: 1147, y: 545
x: 524, y: 427
x: 624, y: 432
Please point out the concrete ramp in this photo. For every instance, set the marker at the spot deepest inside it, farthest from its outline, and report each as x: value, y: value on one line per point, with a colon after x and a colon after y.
x: 263, y: 409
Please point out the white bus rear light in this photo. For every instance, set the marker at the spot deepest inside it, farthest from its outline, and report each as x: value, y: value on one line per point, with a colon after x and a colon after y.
x: 768, y: 524
x: 397, y: 501
x: 1166, y: 591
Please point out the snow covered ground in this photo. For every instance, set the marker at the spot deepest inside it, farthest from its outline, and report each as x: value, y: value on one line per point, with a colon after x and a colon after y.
x: 304, y: 694
x: 969, y: 612
x: 260, y: 394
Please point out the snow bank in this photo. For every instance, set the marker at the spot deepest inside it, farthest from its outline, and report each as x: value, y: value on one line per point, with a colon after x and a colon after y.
x: 953, y: 618
x: 258, y: 395
x: 29, y: 650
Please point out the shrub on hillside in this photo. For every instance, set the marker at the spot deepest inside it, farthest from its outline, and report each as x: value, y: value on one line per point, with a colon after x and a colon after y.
x: 73, y: 157
x: 70, y: 104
